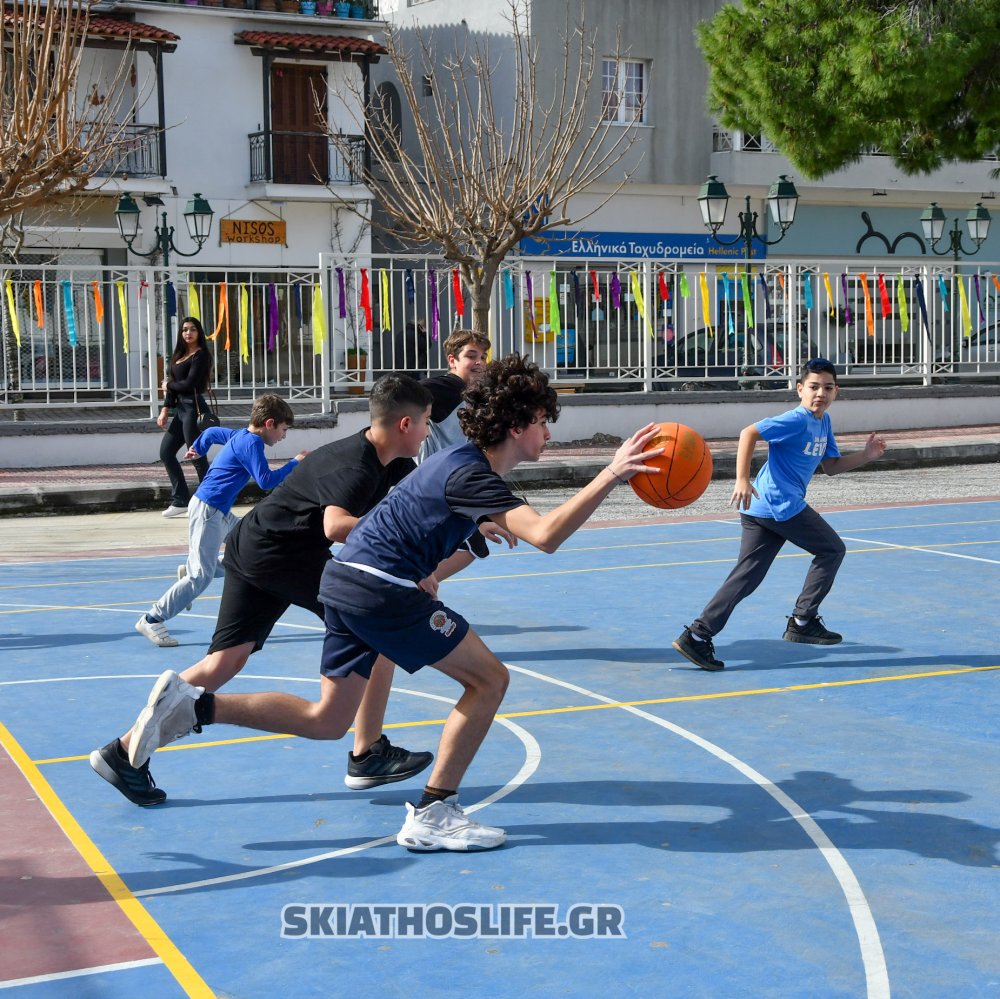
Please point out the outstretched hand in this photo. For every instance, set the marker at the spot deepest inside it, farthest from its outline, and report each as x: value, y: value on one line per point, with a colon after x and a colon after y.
x: 191, y: 453
x: 497, y: 534
x: 630, y: 456
x: 874, y: 447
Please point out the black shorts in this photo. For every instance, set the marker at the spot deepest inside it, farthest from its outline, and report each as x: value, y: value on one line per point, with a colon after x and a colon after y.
x: 248, y: 613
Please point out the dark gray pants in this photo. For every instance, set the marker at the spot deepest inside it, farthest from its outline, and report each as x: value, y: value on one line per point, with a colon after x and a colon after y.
x: 761, y: 541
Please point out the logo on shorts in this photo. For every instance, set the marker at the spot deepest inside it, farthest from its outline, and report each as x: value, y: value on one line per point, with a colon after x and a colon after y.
x: 441, y: 622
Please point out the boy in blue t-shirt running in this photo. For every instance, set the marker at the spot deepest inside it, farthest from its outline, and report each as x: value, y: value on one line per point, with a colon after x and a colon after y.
x: 773, y: 510
x: 210, y: 516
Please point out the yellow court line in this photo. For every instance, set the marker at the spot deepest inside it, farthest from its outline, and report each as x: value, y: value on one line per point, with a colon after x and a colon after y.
x: 178, y: 965
x: 571, y: 709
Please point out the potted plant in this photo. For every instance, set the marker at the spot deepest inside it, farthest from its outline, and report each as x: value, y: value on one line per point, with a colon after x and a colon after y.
x: 356, y: 362
x: 359, y: 10
x: 324, y: 8
x: 342, y: 9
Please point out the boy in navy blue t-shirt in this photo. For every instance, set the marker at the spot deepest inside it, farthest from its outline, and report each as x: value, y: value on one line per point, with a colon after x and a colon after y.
x: 773, y: 510
x: 210, y: 516
x: 380, y: 598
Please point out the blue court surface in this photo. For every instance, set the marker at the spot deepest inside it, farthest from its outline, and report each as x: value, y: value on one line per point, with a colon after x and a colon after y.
x: 814, y: 821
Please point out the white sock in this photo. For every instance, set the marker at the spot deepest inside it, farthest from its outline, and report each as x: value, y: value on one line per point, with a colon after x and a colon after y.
x: 802, y: 621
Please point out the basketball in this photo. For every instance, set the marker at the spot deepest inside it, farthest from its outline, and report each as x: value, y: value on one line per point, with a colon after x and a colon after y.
x: 678, y: 476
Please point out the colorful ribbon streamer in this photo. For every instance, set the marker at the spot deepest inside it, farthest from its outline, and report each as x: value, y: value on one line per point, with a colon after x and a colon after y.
x: 979, y: 300
x: 807, y: 291
x: 847, y: 309
x: 171, y: 299
x: 664, y: 288
x: 40, y: 304
x: 123, y: 312
x: 341, y: 294
x: 597, y: 287
x: 529, y: 287
x: 67, y: 290
x: 366, y: 299
x: 830, y: 303
x: 15, y: 325
x: 943, y: 289
x: 244, y: 324
x: 767, y: 296
x: 508, y: 288
x: 319, y: 318
x: 555, y: 318
x: 98, y: 302
x: 996, y: 282
x: 748, y: 319
x: 922, y: 302
x: 963, y: 302
x: 384, y: 299
x: 684, y: 286
x: 883, y: 293
x: 616, y: 291
x: 456, y: 291
x: 640, y: 302
x: 705, y: 302
x: 725, y: 303
x: 194, y: 303
x: 435, y: 311
x: 904, y: 312
x: 409, y: 287
x: 869, y: 314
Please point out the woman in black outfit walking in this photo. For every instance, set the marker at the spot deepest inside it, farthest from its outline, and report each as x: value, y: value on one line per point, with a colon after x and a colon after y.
x: 190, y: 373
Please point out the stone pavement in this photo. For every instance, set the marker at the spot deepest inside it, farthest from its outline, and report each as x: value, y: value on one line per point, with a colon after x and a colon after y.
x: 116, y: 488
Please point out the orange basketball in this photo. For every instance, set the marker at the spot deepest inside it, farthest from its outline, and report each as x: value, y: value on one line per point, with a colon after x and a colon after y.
x: 679, y: 475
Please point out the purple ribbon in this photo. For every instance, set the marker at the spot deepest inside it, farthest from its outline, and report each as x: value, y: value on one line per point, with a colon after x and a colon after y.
x: 919, y: 288
x: 616, y: 291
x: 273, y: 323
x: 847, y: 308
x: 435, y: 313
x: 342, y: 300
x: 767, y: 297
x: 979, y: 301
x: 529, y: 287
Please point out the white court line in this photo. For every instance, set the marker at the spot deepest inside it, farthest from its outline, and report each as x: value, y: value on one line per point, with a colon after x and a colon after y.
x: 532, y: 759
x: 15, y: 983
x: 872, y: 956
x: 928, y: 551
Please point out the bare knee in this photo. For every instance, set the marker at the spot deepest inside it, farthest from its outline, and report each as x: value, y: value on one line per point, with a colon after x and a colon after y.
x: 491, y: 681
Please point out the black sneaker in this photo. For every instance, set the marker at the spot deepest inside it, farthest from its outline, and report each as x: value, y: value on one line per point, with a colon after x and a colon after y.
x: 385, y: 764
x: 136, y: 783
x: 699, y: 651
x: 811, y: 633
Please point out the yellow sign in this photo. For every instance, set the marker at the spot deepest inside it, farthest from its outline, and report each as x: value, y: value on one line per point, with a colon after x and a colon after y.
x: 252, y: 231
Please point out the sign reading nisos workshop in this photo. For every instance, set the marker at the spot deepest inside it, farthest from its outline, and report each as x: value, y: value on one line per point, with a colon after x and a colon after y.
x: 644, y: 245
x: 252, y: 231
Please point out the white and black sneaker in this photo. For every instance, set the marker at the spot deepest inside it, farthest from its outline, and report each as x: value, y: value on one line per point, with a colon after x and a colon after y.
x: 136, y: 783
x: 442, y: 825
x: 169, y: 715
x: 384, y: 764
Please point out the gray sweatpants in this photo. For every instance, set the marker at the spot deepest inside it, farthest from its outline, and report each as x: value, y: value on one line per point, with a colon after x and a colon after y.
x: 761, y: 541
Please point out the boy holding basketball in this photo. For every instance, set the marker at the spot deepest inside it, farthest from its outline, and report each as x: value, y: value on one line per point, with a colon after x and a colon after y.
x: 773, y: 510
x: 380, y: 598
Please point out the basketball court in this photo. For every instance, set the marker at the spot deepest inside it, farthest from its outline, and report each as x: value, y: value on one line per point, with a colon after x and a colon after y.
x: 813, y: 821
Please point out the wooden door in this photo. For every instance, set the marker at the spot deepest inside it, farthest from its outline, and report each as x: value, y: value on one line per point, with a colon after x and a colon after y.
x: 299, y: 147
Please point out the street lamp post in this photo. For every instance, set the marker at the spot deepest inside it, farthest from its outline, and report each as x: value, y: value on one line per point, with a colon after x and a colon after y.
x: 713, y: 200
x: 198, y: 216
x: 977, y: 221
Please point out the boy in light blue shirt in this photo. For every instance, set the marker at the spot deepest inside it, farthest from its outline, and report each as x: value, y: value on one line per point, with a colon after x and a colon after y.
x: 210, y: 516
x: 773, y: 510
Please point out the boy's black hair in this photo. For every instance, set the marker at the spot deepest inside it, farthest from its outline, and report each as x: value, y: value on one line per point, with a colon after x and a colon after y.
x: 509, y: 395
x: 271, y: 407
x: 396, y: 395
x: 817, y: 365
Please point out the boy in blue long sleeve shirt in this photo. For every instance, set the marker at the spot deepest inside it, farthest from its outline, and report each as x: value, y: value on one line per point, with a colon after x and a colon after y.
x: 210, y: 516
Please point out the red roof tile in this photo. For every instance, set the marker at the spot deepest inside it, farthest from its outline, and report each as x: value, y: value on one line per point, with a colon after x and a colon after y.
x: 117, y: 27
x: 319, y: 44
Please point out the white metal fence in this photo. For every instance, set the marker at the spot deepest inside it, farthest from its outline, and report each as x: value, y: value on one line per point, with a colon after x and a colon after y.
x: 100, y: 336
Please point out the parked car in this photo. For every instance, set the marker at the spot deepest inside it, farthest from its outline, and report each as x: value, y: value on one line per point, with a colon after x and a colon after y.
x: 975, y: 355
x: 754, y: 359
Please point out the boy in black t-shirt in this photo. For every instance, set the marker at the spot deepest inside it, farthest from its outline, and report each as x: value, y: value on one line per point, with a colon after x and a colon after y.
x: 275, y: 558
x: 380, y: 597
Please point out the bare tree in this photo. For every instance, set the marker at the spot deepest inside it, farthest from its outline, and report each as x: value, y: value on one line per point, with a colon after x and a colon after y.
x: 54, y: 134
x: 483, y: 176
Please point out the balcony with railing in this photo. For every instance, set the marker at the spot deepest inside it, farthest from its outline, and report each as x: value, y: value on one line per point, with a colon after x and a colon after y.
x: 136, y: 152
x: 306, y: 158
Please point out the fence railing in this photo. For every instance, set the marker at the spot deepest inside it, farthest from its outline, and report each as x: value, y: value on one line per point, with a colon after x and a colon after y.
x: 102, y: 336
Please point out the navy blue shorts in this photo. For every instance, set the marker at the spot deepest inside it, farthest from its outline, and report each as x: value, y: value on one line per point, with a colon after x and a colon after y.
x: 406, y: 625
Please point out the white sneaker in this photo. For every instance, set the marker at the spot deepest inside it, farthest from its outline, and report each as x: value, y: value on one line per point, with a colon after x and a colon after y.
x: 156, y: 632
x: 168, y: 715
x: 442, y: 825
x: 182, y: 571
x: 175, y: 511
